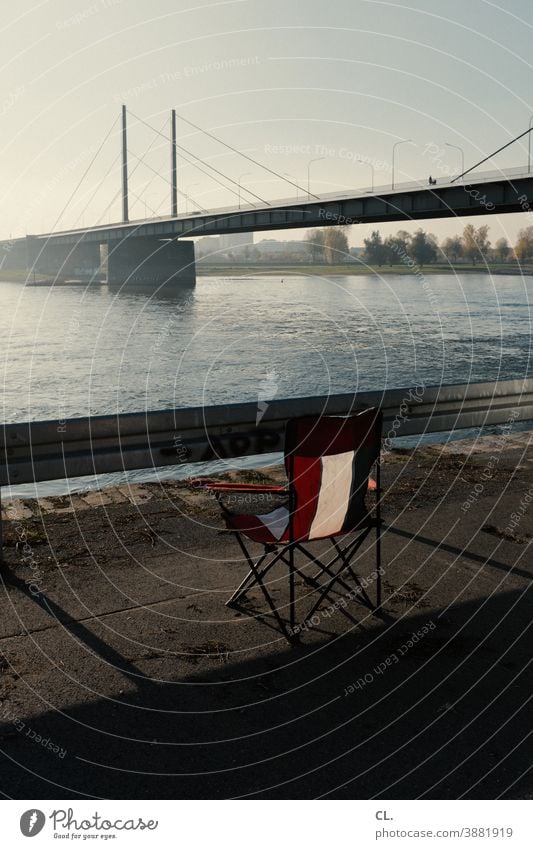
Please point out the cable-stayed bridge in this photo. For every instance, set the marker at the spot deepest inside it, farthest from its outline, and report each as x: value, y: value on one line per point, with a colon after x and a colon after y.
x: 157, y: 250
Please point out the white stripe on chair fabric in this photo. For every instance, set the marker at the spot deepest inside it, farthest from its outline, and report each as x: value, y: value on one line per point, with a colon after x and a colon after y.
x: 334, y: 495
x: 276, y: 521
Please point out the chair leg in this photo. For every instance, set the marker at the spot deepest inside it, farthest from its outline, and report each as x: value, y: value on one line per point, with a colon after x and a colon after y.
x: 292, y: 619
x: 247, y: 582
x: 345, y: 556
x: 251, y: 578
x: 378, y: 566
x: 349, y: 569
x: 258, y: 576
x: 378, y: 535
x: 323, y: 568
x: 297, y: 571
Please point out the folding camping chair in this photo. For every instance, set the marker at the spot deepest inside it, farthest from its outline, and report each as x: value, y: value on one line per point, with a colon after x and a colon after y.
x: 328, y: 460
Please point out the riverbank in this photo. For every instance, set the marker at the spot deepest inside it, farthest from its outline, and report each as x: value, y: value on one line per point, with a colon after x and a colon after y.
x: 24, y: 277
x: 351, y: 269
x: 356, y: 269
x: 116, y: 646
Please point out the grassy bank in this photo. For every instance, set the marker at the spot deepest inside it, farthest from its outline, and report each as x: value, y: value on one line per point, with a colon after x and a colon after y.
x: 307, y: 271
x: 22, y: 277
x: 357, y: 269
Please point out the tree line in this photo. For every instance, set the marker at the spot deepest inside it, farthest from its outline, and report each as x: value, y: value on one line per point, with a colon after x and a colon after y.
x: 473, y: 245
x: 330, y: 244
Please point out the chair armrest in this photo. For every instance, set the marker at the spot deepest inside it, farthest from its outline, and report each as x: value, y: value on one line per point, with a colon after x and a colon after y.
x: 224, y: 486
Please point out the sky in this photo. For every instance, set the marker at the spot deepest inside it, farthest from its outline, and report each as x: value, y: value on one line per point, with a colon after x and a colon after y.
x: 284, y: 81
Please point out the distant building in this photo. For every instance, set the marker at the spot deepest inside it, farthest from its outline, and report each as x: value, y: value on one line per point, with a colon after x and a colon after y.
x: 207, y: 246
x: 240, y: 247
x: 272, y: 249
x: 229, y: 241
x: 229, y: 247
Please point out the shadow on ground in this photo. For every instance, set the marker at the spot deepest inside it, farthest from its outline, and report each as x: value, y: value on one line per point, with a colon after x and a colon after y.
x: 446, y: 716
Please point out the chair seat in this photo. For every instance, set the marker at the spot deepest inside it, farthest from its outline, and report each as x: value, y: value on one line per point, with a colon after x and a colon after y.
x: 267, y: 528
x: 273, y: 527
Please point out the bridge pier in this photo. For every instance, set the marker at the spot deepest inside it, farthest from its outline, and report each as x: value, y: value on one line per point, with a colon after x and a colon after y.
x: 143, y: 261
x: 81, y: 261
x: 14, y: 255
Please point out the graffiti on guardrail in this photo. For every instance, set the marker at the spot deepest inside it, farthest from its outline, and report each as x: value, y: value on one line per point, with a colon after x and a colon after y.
x: 240, y: 444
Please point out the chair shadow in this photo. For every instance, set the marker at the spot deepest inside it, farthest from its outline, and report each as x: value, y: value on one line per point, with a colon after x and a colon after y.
x: 356, y: 715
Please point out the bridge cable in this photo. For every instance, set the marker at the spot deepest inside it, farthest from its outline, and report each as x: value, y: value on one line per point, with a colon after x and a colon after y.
x: 58, y: 219
x: 116, y: 159
x: 492, y: 154
x: 183, y: 194
x: 249, y: 158
x: 149, y: 183
x: 212, y: 167
x: 142, y: 200
x: 119, y: 191
x: 190, y: 153
x: 140, y: 161
x: 219, y: 182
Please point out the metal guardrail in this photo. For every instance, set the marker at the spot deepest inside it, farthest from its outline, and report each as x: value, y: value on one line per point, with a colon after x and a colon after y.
x: 40, y: 451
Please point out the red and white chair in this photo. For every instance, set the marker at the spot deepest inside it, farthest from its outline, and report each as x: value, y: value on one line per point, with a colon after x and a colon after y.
x: 328, y: 460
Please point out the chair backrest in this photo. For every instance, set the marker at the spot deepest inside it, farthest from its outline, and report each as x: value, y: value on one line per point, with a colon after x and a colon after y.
x: 328, y: 461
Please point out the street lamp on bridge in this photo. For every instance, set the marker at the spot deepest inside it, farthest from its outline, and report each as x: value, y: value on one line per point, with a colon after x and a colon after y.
x: 529, y: 146
x: 362, y: 162
x: 460, y: 149
x: 395, y: 145
x: 318, y: 159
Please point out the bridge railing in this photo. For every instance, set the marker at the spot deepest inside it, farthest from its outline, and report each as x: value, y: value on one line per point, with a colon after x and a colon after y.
x: 443, y: 181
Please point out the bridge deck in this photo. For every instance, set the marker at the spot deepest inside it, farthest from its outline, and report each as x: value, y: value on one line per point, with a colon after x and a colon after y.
x: 494, y: 193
